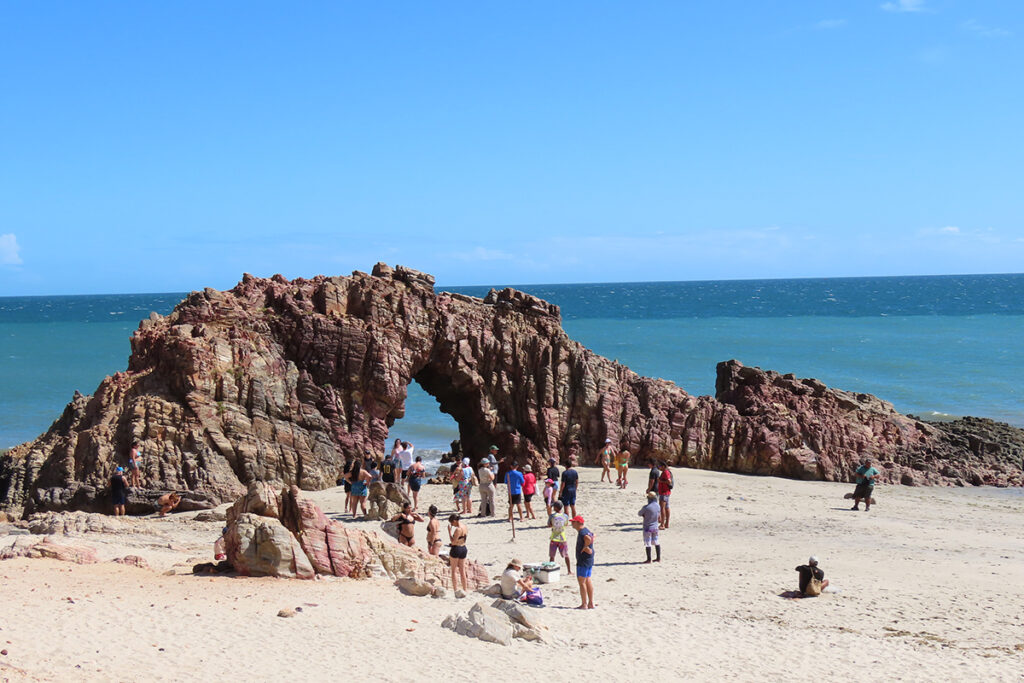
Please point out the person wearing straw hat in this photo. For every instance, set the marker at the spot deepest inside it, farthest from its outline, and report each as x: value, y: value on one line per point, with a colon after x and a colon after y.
x: 513, y: 585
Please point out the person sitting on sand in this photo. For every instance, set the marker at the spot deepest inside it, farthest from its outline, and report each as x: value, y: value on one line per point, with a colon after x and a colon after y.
x: 118, y: 492
x: 457, y: 533
x: 584, y: 562
x: 168, y: 502
x: 558, y: 543
x: 866, y: 475
x: 513, y: 584
x: 433, y: 532
x: 651, y: 513
x: 811, y: 571
x: 607, y: 456
x: 406, y: 525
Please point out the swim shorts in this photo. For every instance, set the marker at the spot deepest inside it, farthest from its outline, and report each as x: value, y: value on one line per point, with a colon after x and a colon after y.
x: 515, y: 498
x: 568, y: 497
x: 560, y: 546
x: 663, y: 499
x: 651, y: 538
x: 459, y: 552
x: 583, y: 572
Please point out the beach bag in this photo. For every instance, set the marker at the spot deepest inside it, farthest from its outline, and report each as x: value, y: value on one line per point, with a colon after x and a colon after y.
x: 533, y: 597
x: 813, y: 587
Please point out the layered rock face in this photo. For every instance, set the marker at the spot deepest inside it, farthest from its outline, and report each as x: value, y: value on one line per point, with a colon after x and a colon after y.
x: 280, y: 381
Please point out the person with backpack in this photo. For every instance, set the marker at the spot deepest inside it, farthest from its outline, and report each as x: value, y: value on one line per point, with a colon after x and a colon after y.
x: 665, y: 484
x: 812, y: 579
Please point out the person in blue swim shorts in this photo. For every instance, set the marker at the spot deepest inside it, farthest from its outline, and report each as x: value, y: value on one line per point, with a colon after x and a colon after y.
x: 584, y: 562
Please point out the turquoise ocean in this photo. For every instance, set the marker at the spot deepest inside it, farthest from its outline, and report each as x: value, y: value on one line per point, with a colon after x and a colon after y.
x: 937, y: 347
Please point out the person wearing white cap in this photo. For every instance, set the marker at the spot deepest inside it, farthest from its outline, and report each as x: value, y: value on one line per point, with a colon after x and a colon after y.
x: 607, y: 455
x: 486, y: 476
x: 812, y: 578
x: 464, y: 493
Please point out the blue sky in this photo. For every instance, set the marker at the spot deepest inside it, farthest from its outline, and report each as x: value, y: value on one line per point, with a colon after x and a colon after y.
x: 155, y: 147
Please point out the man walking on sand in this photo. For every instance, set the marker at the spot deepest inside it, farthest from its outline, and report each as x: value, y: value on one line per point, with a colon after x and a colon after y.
x: 514, y: 481
x: 584, y: 562
x: 651, y: 512
x: 866, y: 475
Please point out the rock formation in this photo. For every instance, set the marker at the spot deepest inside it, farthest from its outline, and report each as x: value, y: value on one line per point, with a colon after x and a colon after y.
x: 280, y: 381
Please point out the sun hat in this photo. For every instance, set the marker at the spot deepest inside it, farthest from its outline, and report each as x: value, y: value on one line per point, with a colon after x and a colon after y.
x: 651, y: 495
x: 465, y: 461
x: 493, y: 448
x: 813, y: 560
x: 528, y: 468
x: 549, y: 481
x: 607, y: 440
x: 515, y: 562
x: 578, y: 519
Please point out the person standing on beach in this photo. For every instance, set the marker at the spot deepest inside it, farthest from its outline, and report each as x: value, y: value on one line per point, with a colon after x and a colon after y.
x: 607, y: 457
x: 651, y: 513
x: 549, y: 495
x: 866, y: 475
x: 529, y: 489
x: 416, y: 475
x: 554, y: 474
x: 464, y: 492
x: 558, y: 521
x: 407, y: 525
x: 433, y: 532
x: 652, y: 477
x: 514, y: 481
x: 666, y: 482
x: 622, y: 465
x: 360, y: 481
x: 389, y: 467
x: 457, y: 533
x: 118, y: 492
x: 584, y: 562
x: 486, y: 478
x: 405, y: 460
x: 135, y: 465
x: 570, y: 480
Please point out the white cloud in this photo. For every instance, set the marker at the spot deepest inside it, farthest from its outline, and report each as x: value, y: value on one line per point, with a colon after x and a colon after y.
x: 9, y: 250
x: 826, y: 24
x: 904, y: 6
x: 950, y: 230
x: 979, y: 29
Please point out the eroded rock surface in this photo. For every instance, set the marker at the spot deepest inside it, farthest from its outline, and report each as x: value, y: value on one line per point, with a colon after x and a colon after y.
x: 280, y: 381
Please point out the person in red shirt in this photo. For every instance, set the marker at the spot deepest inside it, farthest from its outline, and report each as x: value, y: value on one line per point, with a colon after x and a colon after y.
x: 665, y: 484
x: 529, y: 488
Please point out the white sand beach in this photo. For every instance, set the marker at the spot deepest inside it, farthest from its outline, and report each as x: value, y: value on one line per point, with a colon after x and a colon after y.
x: 930, y: 581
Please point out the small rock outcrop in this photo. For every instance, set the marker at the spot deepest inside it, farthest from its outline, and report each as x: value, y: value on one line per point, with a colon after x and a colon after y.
x: 282, y: 381
x: 26, y: 546
x: 499, y: 623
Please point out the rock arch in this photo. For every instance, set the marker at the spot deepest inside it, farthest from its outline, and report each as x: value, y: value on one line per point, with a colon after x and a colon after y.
x: 280, y: 381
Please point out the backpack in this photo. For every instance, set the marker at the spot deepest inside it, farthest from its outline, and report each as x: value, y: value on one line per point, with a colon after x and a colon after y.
x: 533, y: 597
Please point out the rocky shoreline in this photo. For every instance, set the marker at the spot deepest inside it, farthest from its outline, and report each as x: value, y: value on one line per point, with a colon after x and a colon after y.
x: 279, y: 381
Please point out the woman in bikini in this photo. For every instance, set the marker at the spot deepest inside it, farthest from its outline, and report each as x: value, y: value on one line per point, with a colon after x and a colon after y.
x: 360, y: 480
x: 433, y: 532
x: 606, y: 460
x: 622, y: 464
x: 406, y: 525
x: 457, y: 555
x: 416, y: 475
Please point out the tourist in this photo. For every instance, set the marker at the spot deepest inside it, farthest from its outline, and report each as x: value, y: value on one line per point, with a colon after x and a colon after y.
x: 549, y: 495
x: 457, y: 533
x: 389, y: 467
x: 167, y: 502
x: 346, y: 481
x: 433, y: 532
x: 584, y: 562
x: 405, y: 461
x: 606, y: 460
x: 812, y: 578
x: 485, y: 477
x: 866, y: 475
x: 513, y: 585
x: 652, y: 477
x: 622, y: 466
x: 135, y: 465
x: 360, y: 480
x: 417, y: 473
x: 396, y: 449
x: 665, y: 484
x: 118, y: 492
x: 558, y: 521
x: 553, y: 474
x: 651, y: 514
x: 529, y: 488
x: 570, y: 480
x: 465, y: 478
x: 373, y: 467
x: 406, y: 525
x: 514, y: 482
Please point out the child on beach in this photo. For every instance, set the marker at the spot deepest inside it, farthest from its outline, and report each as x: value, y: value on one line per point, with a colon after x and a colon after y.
x: 558, y: 543
x: 549, y: 494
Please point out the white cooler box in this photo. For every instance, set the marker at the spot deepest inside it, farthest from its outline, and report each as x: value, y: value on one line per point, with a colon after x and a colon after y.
x: 546, y: 572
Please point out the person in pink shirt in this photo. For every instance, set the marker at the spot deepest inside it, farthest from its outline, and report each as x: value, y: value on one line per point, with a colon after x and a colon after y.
x: 529, y: 488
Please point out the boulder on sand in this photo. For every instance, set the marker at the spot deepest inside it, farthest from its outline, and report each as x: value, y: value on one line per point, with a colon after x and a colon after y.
x: 262, y: 546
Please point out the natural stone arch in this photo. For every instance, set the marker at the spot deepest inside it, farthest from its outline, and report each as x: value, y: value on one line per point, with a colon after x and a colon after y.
x: 280, y: 381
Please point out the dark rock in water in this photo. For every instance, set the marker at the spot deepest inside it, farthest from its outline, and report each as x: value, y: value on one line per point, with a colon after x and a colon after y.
x: 280, y: 381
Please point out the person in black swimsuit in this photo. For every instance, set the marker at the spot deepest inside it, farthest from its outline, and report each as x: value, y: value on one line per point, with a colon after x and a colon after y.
x: 457, y: 555
x: 406, y: 524
x: 118, y: 492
